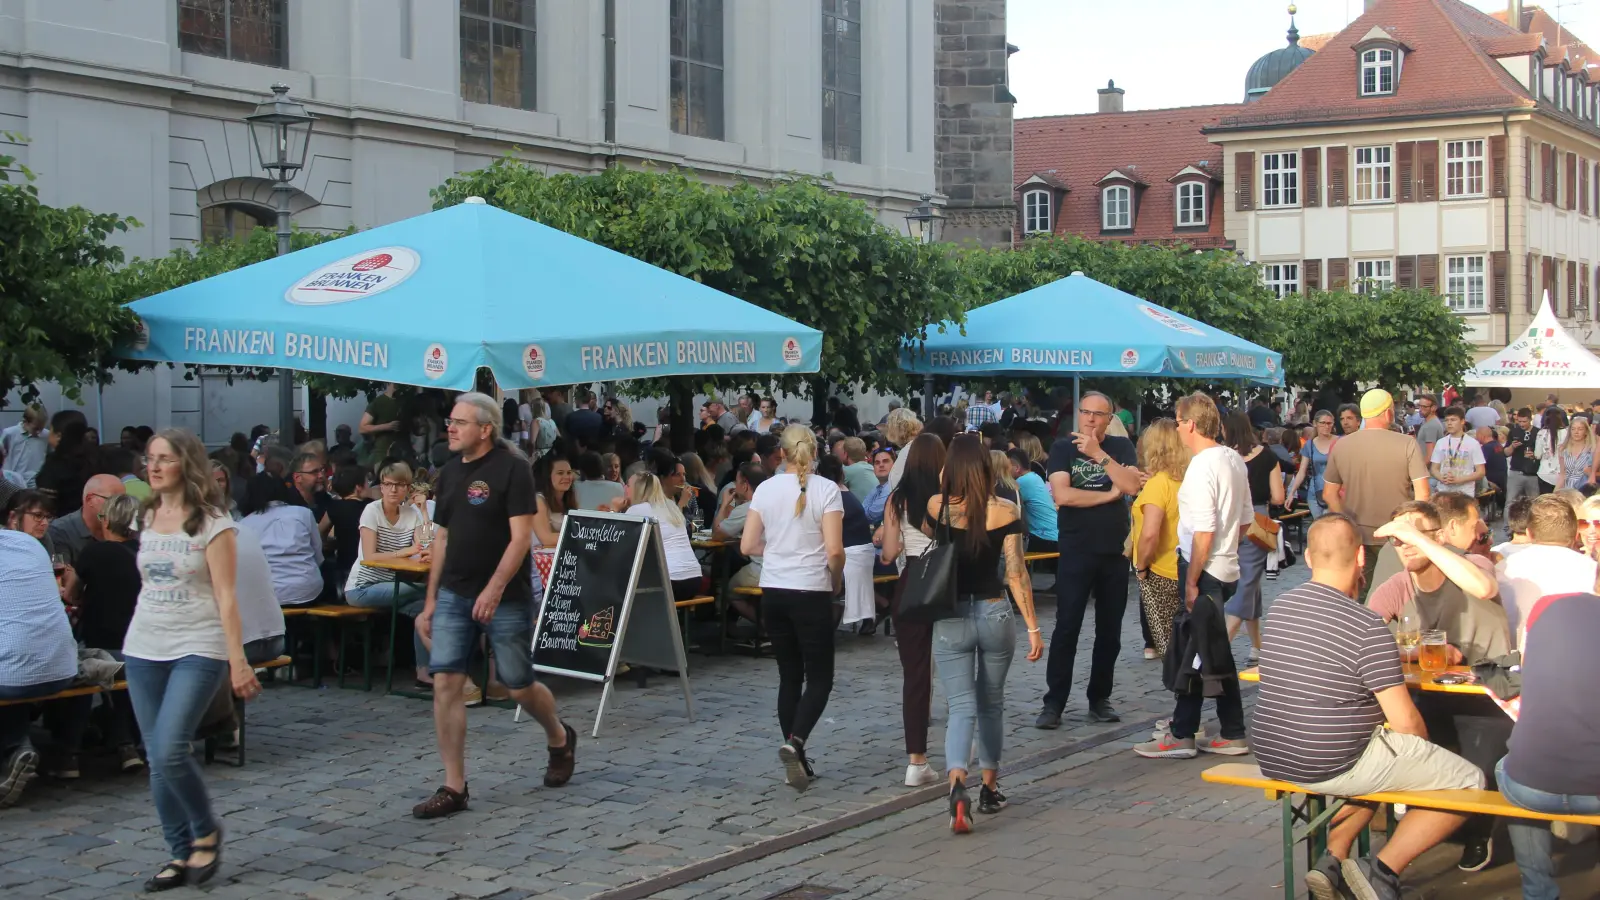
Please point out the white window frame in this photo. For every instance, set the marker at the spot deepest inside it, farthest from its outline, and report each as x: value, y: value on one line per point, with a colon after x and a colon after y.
x: 1466, y: 284
x: 1116, y: 204
x: 1282, y: 279
x: 1036, y: 212
x: 1464, y: 167
x: 1191, y: 211
x: 1378, y: 62
x: 1280, y: 179
x: 1374, y: 275
x: 1374, y: 181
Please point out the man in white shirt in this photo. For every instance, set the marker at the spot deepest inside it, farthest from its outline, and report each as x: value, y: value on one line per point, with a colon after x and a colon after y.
x: 1213, y: 512
x: 1457, y: 460
x: 1545, y: 565
x: 1481, y: 414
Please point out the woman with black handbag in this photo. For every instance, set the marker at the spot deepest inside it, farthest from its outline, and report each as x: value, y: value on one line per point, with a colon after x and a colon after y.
x: 972, y: 651
x: 796, y: 525
x: 904, y: 540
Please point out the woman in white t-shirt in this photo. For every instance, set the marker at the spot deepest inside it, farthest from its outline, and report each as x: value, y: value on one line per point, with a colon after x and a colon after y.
x: 647, y: 498
x: 184, y: 641
x: 796, y: 526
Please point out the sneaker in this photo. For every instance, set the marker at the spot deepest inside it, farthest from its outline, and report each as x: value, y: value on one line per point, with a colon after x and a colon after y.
x: 444, y: 802
x: 1049, y: 718
x: 1272, y: 575
x: 472, y: 695
x: 1325, y: 880
x: 960, y: 810
x: 1254, y: 659
x: 18, y: 774
x: 1224, y: 747
x: 1168, y: 747
x: 563, y: 760
x: 920, y: 774
x: 128, y: 758
x: 868, y: 627
x: 1366, y: 881
x: 796, y: 772
x: 1150, y: 653
x: 1164, y: 727
x: 66, y: 767
x: 1475, y: 855
x: 1102, y: 711
x: 990, y: 800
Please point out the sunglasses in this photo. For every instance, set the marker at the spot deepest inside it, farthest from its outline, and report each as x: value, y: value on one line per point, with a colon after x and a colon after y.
x: 1589, y: 523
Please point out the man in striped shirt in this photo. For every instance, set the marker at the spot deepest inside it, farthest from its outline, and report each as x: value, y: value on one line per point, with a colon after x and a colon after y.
x: 1330, y: 680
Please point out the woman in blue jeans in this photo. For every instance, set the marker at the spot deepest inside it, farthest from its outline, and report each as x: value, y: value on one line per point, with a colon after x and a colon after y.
x: 184, y: 641
x: 393, y: 528
x: 972, y: 652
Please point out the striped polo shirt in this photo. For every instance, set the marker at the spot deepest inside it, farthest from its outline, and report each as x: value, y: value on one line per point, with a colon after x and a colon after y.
x: 1323, y: 658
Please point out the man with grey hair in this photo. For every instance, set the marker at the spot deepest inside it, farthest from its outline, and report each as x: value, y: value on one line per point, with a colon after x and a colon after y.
x: 481, y: 581
x: 71, y: 533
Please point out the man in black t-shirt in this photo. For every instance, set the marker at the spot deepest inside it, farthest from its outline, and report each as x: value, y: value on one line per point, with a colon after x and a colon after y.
x: 482, y: 581
x: 1090, y: 474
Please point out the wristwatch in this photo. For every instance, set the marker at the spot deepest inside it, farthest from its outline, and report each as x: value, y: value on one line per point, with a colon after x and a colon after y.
x: 1101, y: 462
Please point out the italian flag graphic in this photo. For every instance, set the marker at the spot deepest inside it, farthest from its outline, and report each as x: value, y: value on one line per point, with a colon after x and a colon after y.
x: 1547, y: 332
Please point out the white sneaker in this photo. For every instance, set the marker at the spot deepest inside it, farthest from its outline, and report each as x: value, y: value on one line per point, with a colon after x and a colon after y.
x: 1164, y: 726
x: 919, y: 774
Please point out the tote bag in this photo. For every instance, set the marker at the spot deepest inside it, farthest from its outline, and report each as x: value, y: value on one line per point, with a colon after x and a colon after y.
x: 930, y: 592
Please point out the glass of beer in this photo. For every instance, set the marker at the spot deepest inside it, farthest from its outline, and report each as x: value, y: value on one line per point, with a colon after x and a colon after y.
x: 1408, y: 635
x: 1433, y: 653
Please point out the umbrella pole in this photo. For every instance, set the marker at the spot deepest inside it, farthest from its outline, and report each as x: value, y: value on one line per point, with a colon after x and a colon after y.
x: 1076, y: 394
x: 927, y: 398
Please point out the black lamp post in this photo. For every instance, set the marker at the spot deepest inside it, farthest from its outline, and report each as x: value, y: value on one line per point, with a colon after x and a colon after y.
x: 281, y: 129
x: 925, y: 221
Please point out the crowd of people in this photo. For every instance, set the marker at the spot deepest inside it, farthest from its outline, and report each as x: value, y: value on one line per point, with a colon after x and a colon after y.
x: 180, y: 566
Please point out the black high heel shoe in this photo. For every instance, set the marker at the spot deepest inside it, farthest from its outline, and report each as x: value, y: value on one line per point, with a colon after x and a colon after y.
x: 202, y: 874
x: 172, y: 875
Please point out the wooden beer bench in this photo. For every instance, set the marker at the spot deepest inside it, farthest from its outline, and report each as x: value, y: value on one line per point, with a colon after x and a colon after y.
x: 1318, y: 810
x: 339, y: 615
x: 1297, y: 520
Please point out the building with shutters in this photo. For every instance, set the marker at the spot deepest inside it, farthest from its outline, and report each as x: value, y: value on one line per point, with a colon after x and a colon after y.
x: 1428, y: 145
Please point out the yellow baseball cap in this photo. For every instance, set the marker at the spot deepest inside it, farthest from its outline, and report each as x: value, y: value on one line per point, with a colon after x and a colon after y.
x: 1375, y: 403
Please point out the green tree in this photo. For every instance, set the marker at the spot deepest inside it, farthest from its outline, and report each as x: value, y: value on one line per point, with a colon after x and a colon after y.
x: 1388, y: 338
x: 58, y: 312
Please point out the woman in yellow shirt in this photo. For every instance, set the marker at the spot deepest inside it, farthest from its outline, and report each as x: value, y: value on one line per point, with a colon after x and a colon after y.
x: 1155, y: 527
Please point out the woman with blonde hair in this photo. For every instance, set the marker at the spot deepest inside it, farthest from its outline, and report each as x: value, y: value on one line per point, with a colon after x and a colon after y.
x: 184, y: 640
x: 900, y: 428
x: 1005, y: 484
x: 796, y: 525
x: 647, y: 497
x: 1155, y: 528
x: 1029, y: 443
x: 1575, y: 462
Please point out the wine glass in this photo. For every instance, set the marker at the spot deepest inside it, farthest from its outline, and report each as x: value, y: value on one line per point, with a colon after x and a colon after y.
x: 1408, y: 635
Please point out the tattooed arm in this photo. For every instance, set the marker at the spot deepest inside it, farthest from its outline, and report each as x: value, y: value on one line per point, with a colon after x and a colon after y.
x: 1022, y: 592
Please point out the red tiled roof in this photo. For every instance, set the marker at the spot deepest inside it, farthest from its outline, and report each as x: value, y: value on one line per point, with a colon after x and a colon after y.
x: 1155, y: 144
x: 1315, y: 42
x: 1544, y: 25
x: 1446, y: 70
x: 1511, y: 44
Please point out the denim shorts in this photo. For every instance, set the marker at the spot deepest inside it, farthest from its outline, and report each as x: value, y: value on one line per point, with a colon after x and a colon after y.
x: 510, y: 635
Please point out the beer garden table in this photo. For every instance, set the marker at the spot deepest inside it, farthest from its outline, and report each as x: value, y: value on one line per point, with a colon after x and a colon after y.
x: 1415, y: 678
x: 400, y: 568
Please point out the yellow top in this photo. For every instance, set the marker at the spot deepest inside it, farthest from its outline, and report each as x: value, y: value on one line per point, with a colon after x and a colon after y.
x: 1162, y: 491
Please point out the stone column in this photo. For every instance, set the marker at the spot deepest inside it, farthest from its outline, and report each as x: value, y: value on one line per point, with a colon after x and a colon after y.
x: 972, y: 137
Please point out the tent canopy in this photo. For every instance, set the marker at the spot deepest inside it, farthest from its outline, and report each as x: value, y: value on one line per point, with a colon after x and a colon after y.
x: 430, y: 299
x: 1079, y: 326
x: 1542, y: 356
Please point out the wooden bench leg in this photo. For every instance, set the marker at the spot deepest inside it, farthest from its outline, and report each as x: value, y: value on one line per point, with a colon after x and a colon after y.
x: 1286, y: 806
x: 366, y: 653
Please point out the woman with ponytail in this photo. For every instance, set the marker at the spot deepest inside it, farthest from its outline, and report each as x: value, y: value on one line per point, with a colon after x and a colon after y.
x: 796, y: 525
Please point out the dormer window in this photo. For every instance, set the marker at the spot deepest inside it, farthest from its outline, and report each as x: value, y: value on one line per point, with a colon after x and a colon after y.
x: 1036, y: 212
x: 1116, y: 208
x: 1377, y: 72
x: 1191, y: 203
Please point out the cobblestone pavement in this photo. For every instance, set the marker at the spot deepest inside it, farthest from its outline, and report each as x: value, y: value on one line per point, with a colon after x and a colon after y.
x: 323, y: 809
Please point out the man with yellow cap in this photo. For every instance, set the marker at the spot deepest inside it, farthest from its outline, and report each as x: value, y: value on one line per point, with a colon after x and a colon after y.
x: 1373, y: 471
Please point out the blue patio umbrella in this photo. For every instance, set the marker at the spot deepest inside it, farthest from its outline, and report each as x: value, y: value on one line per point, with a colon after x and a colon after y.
x: 428, y: 300
x: 1078, y: 326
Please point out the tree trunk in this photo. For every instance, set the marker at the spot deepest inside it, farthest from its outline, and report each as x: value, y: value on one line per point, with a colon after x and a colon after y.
x: 317, y: 414
x: 683, y: 418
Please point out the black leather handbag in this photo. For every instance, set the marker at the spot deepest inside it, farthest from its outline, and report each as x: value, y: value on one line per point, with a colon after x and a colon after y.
x: 930, y: 592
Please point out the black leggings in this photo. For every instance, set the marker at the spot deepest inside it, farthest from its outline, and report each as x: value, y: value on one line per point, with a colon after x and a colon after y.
x: 685, y: 589
x: 800, y: 626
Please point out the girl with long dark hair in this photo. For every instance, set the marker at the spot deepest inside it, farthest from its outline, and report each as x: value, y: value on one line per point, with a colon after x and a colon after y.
x: 905, y: 539
x: 972, y: 652
x: 69, y: 463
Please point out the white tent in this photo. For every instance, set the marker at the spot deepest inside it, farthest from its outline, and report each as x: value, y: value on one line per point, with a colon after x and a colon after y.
x: 1543, y: 356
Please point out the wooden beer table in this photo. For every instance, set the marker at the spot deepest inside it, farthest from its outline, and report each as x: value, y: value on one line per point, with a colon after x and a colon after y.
x: 1415, y: 678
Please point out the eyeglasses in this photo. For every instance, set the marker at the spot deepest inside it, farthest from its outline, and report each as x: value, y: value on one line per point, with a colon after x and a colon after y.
x: 99, y: 497
x: 462, y: 423
x: 396, y: 484
x: 39, y: 515
x: 1589, y: 523
x: 1094, y: 413
x: 309, y: 472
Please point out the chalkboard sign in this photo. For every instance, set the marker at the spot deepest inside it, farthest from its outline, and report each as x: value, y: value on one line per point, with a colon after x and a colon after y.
x: 608, y: 601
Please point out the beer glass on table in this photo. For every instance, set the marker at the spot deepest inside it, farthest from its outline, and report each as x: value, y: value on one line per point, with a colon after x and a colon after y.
x: 1433, y: 653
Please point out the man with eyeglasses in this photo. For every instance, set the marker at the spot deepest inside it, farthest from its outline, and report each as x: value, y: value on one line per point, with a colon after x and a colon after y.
x: 74, y: 531
x: 1090, y: 474
x: 307, y: 471
x: 481, y: 582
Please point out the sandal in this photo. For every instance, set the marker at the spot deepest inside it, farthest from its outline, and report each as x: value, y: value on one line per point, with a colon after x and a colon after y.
x: 172, y: 875
x: 198, y: 875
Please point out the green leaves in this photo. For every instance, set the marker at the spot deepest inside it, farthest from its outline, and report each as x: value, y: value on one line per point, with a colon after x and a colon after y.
x: 1389, y: 338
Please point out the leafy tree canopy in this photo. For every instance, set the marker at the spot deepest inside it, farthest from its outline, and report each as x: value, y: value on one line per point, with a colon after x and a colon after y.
x: 1388, y: 338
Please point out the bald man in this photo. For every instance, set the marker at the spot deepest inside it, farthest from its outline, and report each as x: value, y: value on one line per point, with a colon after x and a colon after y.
x: 70, y: 534
x: 1330, y: 680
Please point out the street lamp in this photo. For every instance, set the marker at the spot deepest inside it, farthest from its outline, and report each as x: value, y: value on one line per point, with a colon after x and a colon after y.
x: 924, y: 221
x: 281, y: 129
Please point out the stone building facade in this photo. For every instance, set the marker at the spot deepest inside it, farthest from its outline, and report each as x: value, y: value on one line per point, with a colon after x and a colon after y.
x: 972, y: 123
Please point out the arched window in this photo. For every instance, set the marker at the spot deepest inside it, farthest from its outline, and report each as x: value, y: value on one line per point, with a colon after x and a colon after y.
x: 1036, y: 212
x: 1116, y: 207
x: 1192, y: 203
x: 232, y: 222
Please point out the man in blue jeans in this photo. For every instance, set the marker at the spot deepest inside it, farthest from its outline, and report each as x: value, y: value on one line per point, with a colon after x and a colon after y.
x: 1090, y: 474
x: 481, y: 581
x: 37, y: 654
x: 1552, y: 765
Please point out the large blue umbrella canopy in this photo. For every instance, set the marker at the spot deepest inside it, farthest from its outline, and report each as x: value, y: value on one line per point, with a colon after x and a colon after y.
x: 428, y: 300
x: 1078, y: 326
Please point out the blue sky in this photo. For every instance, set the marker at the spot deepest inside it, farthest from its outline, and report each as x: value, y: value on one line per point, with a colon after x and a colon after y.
x: 1174, y: 52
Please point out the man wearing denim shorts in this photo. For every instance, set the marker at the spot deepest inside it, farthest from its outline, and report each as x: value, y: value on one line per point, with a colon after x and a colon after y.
x: 1330, y: 681
x: 482, y: 582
